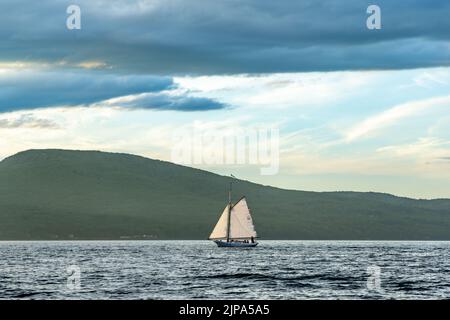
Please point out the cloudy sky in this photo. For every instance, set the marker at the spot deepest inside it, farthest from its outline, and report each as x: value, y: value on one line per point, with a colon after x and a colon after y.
x: 356, y: 109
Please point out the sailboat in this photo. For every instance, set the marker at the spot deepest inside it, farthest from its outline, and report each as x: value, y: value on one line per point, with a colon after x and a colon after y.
x: 235, y: 226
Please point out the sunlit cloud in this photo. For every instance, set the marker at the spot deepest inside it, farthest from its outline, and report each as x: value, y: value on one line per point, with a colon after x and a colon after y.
x: 425, y: 149
x: 93, y: 65
x: 26, y: 121
x: 371, y: 125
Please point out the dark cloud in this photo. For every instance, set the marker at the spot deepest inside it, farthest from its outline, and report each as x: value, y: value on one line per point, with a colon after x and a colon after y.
x: 28, y: 89
x: 28, y: 121
x: 165, y: 101
x: 36, y: 88
x: 234, y: 36
x: 125, y: 41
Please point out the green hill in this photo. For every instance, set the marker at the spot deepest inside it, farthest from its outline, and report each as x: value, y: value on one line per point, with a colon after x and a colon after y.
x: 57, y: 194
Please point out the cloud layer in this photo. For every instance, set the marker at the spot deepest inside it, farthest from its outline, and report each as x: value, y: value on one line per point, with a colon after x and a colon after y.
x: 168, y: 101
x: 211, y: 37
x: 28, y: 89
x: 22, y: 89
x: 27, y: 121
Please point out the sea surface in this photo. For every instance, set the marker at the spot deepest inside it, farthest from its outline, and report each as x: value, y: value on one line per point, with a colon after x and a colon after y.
x: 200, y: 270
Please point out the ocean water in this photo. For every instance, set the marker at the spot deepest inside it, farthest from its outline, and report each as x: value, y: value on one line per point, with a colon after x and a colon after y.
x: 200, y: 270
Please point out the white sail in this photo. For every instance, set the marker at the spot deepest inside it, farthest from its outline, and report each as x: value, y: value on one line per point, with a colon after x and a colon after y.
x: 241, y: 223
x: 220, y: 230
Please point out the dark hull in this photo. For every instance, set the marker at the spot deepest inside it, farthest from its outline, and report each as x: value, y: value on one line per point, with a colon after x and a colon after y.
x: 221, y: 243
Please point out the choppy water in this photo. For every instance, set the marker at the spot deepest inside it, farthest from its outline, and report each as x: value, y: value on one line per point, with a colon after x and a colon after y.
x: 200, y: 270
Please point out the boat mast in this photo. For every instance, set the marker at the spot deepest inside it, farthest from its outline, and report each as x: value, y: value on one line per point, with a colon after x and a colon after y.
x: 229, y: 213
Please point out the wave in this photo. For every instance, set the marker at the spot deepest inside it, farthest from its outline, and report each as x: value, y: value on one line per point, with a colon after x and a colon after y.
x: 259, y: 276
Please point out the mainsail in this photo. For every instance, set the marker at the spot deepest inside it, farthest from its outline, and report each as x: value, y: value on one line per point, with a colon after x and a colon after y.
x: 241, y: 223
